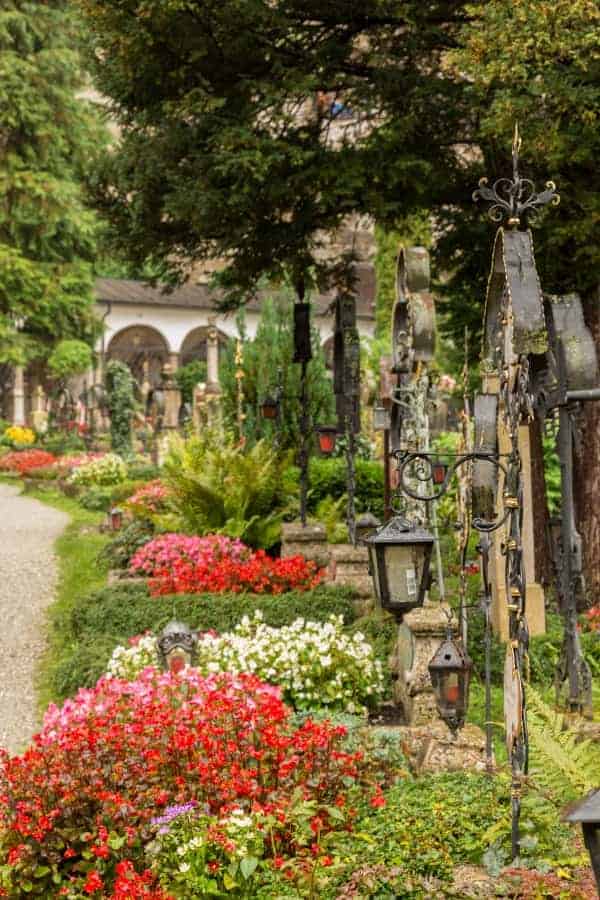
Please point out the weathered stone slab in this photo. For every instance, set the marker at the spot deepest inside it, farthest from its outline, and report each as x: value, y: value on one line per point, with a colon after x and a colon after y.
x: 309, y: 541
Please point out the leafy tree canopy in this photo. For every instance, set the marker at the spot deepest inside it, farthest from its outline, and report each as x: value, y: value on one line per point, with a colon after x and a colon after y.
x: 47, y: 139
x: 230, y: 114
x: 538, y: 64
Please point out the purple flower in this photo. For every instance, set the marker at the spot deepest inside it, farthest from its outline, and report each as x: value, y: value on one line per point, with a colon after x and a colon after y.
x: 172, y: 812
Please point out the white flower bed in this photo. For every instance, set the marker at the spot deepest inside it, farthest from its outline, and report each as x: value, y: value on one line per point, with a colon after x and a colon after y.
x: 109, y: 469
x: 316, y: 664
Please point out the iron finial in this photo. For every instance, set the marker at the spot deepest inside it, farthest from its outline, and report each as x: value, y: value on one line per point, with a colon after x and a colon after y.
x: 514, y: 202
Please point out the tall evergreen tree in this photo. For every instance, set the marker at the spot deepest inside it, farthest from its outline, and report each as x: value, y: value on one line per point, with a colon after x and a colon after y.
x: 251, y: 129
x: 48, y: 138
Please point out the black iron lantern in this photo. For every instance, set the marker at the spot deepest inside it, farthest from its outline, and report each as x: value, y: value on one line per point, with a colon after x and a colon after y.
x: 587, y: 813
x: 366, y: 524
x: 399, y: 559
x: 327, y: 437
x: 450, y: 672
x: 381, y: 417
x: 177, y: 646
x: 269, y: 408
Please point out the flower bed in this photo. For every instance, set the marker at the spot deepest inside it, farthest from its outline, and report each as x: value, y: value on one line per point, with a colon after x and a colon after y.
x: 317, y: 665
x: 106, y: 470
x: 76, y: 808
x: 177, y: 564
x: 25, y: 461
x: 149, y: 500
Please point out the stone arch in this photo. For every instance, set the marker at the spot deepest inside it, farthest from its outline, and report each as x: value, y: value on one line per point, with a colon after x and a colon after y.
x: 143, y: 348
x: 193, y: 347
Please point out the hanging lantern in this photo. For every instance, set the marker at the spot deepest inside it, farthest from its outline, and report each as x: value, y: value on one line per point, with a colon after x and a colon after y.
x: 116, y: 519
x: 381, y: 417
x: 365, y: 525
x: 177, y: 647
x: 438, y: 472
x: 450, y: 672
x: 586, y: 812
x: 327, y: 437
x: 399, y: 559
x: 269, y: 408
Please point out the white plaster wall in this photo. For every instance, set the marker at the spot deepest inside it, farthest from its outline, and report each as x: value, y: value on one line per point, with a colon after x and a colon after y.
x: 176, y: 323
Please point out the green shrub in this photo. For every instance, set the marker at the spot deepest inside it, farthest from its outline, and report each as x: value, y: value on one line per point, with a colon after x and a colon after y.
x: 70, y: 357
x: 328, y: 479
x: 122, y: 492
x: 118, y: 552
x: 188, y: 376
x: 141, y: 470
x: 96, y: 499
x: 99, y: 621
x: 63, y: 442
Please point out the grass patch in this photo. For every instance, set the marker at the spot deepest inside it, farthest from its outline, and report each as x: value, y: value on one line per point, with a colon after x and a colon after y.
x: 79, y: 573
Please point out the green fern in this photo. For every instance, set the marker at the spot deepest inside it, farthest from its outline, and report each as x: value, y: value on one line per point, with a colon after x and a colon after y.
x: 561, y: 763
x: 219, y: 487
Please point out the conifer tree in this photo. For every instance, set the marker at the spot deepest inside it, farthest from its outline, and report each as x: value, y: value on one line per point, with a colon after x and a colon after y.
x: 48, y: 137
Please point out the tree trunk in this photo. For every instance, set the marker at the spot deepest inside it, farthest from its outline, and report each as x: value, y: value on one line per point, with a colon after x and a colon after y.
x: 587, y: 470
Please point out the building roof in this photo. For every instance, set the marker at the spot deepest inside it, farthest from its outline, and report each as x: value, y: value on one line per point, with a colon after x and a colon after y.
x: 200, y: 296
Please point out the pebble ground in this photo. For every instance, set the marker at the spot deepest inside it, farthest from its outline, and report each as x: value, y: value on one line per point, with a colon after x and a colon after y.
x: 28, y: 572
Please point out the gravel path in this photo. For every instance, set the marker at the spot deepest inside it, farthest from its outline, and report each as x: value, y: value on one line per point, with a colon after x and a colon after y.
x: 28, y: 530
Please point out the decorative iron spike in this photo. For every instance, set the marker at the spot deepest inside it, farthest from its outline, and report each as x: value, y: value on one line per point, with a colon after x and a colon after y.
x: 514, y: 202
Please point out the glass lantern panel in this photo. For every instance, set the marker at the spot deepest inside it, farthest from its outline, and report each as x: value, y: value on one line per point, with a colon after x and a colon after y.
x: 451, y: 688
x: 375, y: 572
x: 402, y: 573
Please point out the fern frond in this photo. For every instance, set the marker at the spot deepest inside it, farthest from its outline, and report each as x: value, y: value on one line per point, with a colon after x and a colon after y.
x: 562, y: 763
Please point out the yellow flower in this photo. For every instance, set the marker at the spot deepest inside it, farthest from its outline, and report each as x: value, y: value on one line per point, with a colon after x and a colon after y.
x: 18, y: 435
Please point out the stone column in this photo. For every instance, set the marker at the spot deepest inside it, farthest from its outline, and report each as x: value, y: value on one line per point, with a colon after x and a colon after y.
x: 39, y: 415
x: 172, y: 398
x: 212, y: 354
x: 213, y: 385
x: 18, y: 393
x: 419, y: 637
x: 309, y: 541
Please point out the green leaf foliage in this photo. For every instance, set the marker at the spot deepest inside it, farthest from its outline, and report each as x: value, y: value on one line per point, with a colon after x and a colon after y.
x: 270, y: 352
x: 537, y: 64
x: 328, y: 478
x: 49, y: 141
x: 70, y: 357
x: 219, y: 487
x: 561, y: 762
x: 121, y: 405
x: 235, y: 140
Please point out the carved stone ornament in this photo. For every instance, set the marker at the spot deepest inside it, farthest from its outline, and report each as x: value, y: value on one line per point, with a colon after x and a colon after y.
x: 413, y: 316
x: 177, y: 646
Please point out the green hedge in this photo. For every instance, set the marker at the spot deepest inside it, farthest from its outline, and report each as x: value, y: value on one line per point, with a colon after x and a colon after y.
x: 99, y: 621
x: 328, y: 479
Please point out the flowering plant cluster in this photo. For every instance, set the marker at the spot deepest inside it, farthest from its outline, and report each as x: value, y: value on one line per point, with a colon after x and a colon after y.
x: 76, y: 808
x: 593, y: 618
x: 19, y: 436
x: 108, y: 469
x: 163, y: 553
x: 177, y: 564
x: 316, y: 664
x: 149, y: 500
x: 25, y: 461
x: 68, y: 463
